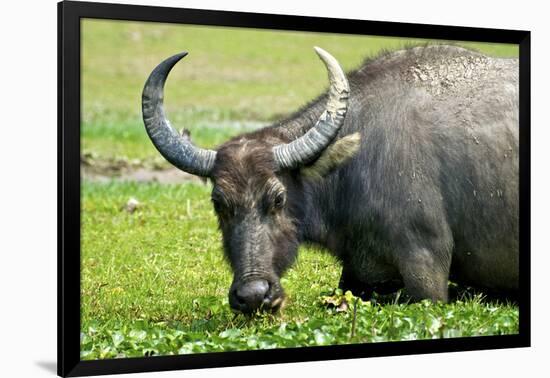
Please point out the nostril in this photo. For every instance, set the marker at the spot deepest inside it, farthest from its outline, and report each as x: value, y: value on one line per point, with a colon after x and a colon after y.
x: 252, y: 294
x: 240, y: 299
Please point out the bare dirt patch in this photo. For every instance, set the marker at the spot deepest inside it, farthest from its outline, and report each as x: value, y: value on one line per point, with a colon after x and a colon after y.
x: 97, y: 169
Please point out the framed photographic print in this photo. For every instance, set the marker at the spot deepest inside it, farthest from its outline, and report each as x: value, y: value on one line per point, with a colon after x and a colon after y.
x: 239, y: 188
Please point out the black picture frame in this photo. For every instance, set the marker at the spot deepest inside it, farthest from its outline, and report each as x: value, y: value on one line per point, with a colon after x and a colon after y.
x: 69, y: 16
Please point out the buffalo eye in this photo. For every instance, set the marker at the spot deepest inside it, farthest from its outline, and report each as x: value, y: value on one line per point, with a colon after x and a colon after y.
x: 218, y: 205
x: 278, y: 201
x: 219, y: 201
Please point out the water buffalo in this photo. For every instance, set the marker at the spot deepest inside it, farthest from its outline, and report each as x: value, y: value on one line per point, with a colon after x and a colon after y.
x: 408, y: 174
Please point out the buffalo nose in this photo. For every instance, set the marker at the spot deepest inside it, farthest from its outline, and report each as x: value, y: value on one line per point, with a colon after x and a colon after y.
x: 251, y: 295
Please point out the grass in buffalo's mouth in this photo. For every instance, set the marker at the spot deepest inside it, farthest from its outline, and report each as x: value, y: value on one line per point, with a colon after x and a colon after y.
x: 154, y: 282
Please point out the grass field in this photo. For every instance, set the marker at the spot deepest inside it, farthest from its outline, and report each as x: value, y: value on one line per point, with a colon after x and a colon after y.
x: 154, y: 281
x: 232, y: 80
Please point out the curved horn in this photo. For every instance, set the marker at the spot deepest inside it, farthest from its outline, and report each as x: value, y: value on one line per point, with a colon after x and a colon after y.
x: 175, y: 148
x: 308, y: 147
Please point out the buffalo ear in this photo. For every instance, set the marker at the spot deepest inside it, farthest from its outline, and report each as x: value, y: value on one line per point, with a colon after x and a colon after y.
x: 333, y: 156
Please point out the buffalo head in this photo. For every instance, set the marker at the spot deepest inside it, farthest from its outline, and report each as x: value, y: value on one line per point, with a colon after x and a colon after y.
x: 257, y: 178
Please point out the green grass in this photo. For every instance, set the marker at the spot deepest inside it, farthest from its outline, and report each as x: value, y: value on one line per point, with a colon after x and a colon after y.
x: 154, y: 282
x: 232, y: 80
